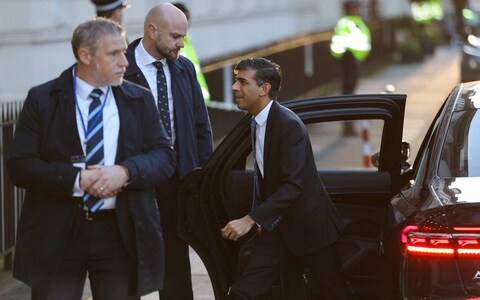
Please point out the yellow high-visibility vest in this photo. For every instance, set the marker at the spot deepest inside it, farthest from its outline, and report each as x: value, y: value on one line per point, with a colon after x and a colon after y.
x: 190, y: 53
x: 351, y: 34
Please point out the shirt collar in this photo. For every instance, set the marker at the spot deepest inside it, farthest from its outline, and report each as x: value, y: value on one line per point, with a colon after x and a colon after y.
x: 145, y: 58
x: 261, y: 118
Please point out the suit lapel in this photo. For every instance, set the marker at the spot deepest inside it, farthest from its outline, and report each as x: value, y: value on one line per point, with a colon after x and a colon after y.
x: 124, y: 114
x: 179, y: 104
x: 133, y: 72
x: 68, y: 109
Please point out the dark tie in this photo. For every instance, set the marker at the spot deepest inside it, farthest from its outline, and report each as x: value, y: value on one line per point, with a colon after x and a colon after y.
x: 163, y: 98
x: 256, y: 183
x: 94, y: 140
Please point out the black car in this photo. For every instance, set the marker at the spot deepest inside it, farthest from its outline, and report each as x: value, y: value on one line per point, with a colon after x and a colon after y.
x: 411, y: 233
x: 438, y: 211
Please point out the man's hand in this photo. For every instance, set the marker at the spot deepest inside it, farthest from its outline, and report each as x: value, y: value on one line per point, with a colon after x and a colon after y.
x: 103, y: 181
x: 235, y: 229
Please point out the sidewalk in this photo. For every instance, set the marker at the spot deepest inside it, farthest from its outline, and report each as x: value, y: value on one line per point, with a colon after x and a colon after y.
x: 11, y: 289
x: 427, y: 84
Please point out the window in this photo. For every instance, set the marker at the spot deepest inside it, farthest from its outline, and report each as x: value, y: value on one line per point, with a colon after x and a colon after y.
x: 461, y: 152
x: 333, y: 151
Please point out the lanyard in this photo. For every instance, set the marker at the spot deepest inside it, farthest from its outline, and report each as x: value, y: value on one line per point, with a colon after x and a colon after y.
x: 86, y: 131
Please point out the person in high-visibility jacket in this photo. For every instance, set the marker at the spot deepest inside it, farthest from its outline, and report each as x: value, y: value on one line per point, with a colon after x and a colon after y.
x: 189, y: 52
x: 351, y: 44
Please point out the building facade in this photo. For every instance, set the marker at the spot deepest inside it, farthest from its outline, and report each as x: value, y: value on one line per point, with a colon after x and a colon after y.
x: 35, y: 34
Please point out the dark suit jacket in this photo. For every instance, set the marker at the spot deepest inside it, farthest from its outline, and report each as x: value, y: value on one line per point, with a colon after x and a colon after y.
x: 296, y: 203
x: 194, y: 143
x: 45, y: 141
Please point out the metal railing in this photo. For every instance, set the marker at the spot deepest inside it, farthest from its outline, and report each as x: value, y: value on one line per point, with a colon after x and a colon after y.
x: 11, y: 196
x: 305, y: 60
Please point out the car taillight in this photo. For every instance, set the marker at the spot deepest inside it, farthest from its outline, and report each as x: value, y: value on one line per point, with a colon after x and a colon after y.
x: 457, y: 241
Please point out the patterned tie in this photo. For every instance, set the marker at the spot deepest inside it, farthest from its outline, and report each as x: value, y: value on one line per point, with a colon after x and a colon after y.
x: 163, y: 98
x: 256, y: 183
x: 94, y: 140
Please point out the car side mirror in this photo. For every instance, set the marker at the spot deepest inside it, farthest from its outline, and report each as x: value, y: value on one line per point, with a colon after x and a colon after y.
x: 375, y: 159
x: 405, y: 153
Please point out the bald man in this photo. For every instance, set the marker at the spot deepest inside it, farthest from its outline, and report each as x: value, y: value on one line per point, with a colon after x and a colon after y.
x: 179, y: 99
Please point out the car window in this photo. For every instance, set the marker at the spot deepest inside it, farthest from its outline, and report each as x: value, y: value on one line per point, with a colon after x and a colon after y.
x: 334, y: 151
x: 461, y: 151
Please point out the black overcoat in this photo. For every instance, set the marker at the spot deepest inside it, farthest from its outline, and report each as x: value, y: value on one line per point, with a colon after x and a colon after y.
x: 40, y: 161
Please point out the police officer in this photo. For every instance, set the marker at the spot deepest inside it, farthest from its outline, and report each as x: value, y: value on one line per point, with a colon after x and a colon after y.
x: 351, y: 44
x: 110, y: 9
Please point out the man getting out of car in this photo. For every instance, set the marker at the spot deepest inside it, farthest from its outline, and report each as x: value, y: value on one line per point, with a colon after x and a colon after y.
x: 291, y: 210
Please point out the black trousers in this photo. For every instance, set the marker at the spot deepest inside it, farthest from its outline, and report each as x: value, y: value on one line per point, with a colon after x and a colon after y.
x: 95, y: 248
x: 350, y: 72
x: 177, y: 283
x: 264, y: 257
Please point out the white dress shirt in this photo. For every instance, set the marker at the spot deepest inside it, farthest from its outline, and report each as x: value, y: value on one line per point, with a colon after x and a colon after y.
x: 111, y: 128
x: 145, y: 63
x: 261, y: 120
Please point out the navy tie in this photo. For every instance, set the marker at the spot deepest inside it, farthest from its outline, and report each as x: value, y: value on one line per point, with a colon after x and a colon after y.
x: 256, y: 183
x: 94, y: 141
x: 163, y: 98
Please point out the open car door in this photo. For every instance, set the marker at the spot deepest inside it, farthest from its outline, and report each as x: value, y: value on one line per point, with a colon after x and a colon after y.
x: 221, y: 191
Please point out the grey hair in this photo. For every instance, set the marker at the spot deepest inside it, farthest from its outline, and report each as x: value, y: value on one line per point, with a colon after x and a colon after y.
x: 88, y: 34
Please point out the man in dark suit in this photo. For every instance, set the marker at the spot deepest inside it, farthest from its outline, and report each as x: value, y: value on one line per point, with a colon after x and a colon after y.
x: 154, y: 62
x: 291, y: 210
x: 90, y: 208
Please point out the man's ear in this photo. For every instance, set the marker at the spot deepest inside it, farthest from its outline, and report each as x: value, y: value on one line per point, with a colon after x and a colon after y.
x: 265, y: 89
x: 84, y: 56
x: 152, y: 31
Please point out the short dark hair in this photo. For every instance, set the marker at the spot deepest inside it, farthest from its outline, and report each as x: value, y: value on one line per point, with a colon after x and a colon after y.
x: 349, y: 4
x: 88, y: 33
x: 266, y: 71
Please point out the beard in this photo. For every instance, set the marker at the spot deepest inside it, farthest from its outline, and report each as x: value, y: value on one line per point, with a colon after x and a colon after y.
x: 166, y: 52
x: 99, y: 78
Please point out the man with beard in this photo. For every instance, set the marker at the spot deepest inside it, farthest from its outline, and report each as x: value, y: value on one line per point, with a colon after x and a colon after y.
x: 154, y: 62
x: 89, y: 150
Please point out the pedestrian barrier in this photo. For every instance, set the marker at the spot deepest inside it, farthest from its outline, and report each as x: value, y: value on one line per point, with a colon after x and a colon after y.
x: 367, y: 148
